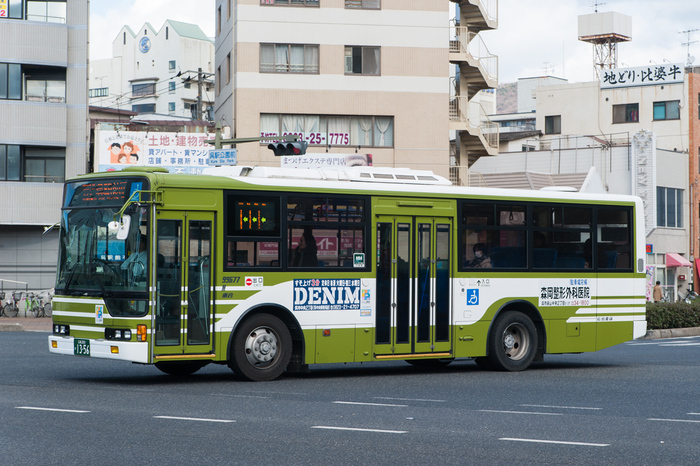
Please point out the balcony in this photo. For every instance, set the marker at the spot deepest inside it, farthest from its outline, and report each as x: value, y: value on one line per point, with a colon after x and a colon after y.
x: 478, y: 133
x: 478, y: 15
x: 477, y: 65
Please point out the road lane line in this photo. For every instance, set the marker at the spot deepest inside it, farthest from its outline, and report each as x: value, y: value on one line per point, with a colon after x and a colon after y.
x: 381, y: 431
x: 408, y: 399
x: 368, y: 404
x: 556, y: 442
x: 559, y: 407
x: 518, y: 412
x: 35, y: 408
x: 675, y: 420
x: 178, y: 418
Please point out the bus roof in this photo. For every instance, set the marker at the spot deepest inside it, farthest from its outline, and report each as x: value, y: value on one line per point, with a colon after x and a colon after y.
x: 368, y: 180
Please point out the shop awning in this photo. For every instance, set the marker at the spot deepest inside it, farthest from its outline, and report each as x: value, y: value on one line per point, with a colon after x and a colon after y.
x: 676, y: 260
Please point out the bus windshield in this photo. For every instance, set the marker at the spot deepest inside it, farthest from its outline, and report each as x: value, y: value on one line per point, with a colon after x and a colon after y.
x: 102, y: 253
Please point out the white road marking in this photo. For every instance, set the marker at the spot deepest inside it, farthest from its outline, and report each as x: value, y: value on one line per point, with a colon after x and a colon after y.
x: 53, y: 409
x: 408, y: 399
x: 519, y: 412
x: 368, y: 404
x: 674, y: 420
x: 381, y: 431
x: 177, y: 418
x: 557, y: 442
x: 559, y: 407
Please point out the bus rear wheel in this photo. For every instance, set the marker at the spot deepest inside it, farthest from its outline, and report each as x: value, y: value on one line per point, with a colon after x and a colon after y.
x: 261, y: 348
x: 513, y: 342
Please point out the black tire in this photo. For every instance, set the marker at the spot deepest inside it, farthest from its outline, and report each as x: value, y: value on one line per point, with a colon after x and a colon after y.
x: 47, y: 310
x: 512, y: 342
x: 261, y: 348
x: 10, y: 310
x: 430, y: 363
x: 37, y: 311
x: 180, y: 368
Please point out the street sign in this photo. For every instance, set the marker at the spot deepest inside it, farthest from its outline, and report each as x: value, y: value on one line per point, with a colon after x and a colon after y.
x: 223, y: 157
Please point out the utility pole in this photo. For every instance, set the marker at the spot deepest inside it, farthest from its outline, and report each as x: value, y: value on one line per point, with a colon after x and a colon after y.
x: 200, y: 77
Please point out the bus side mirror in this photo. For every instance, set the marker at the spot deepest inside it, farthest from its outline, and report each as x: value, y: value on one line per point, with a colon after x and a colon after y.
x: 121, y: 227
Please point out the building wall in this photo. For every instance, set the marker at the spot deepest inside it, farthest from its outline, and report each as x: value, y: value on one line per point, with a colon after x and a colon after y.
x: 413, y: 85
x: 693, y: 100
x: 587, y: 109
x: 26, y: 253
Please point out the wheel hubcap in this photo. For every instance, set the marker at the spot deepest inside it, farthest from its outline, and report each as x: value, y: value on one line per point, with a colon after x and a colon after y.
x: 516, y: 341
x: 261, y: 347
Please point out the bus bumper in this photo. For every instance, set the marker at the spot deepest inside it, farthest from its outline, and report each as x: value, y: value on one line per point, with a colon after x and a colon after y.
x: 119, y: 350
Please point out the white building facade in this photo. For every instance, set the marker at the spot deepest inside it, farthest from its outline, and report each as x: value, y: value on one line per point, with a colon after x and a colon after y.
x: 157, y: 71
x: 43, y: 131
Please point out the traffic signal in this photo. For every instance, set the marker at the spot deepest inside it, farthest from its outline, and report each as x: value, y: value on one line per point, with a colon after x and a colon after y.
x: 288, y: 148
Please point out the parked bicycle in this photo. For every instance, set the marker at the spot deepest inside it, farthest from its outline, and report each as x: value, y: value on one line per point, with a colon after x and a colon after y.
x: 689, y: 297
x: 34, y: 305
x: 47, y: 305
x: 11, y: 309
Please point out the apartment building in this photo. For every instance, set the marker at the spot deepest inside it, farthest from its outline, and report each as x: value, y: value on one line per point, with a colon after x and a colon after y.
x: 167, y: 72
x: 43, y: 130
x: 350, y: 77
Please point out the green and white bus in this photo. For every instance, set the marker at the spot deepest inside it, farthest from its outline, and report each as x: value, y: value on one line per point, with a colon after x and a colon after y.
x: 268, y: 270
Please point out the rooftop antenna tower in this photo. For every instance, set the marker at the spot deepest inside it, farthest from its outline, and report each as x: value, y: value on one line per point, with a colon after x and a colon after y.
x: 604, y: 31
x: 690, y: 59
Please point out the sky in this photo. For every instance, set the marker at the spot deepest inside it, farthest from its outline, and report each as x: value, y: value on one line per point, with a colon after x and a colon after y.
x: 534, y: 37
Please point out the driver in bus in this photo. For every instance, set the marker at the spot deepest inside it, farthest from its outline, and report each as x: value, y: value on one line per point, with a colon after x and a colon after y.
x: 136, y: 262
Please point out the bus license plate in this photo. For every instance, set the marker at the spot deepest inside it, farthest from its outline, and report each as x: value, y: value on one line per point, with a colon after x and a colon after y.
x: 81, y: 347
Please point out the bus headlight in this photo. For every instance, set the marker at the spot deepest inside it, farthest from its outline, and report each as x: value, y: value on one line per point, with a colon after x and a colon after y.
x: 62, y: 330
x: 117, y: 334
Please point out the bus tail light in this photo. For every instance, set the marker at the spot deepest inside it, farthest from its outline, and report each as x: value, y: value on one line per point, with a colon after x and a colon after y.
x: 141, y: 332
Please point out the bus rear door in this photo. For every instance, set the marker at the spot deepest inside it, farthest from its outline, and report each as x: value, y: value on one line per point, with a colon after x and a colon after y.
x: 184, y: 273
x: 413, y: 286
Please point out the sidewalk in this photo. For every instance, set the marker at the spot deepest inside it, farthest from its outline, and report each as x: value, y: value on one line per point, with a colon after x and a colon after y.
x: 29, y: 324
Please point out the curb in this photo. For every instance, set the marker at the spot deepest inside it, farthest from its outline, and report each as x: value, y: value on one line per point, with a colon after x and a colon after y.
x: 11, y: 328
x: 671, y: 333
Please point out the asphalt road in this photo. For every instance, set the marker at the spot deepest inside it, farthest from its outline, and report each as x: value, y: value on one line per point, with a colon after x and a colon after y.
x: 635, y: 403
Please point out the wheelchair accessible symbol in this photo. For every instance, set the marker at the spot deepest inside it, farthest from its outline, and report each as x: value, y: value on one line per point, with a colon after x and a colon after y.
x: 472, y: 297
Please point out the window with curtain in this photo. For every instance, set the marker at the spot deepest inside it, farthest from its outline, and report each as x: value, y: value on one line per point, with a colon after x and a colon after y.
x: 289, y: 58
x: 667, y: 110
x: 331, y: 130
x: 363, y: 4
x: 626, y: 113
x: 362, y: 60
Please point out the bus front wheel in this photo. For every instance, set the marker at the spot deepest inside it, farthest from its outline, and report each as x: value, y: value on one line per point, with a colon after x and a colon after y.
x: 513, y: 342
x: 262, y: 348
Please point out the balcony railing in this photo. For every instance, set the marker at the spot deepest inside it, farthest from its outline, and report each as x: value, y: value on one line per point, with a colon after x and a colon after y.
x: 472, y: 45
x: 489, y: 7
x: 474, y: 115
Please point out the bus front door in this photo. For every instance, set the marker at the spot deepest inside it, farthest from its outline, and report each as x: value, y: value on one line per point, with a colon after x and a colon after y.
x: 184, y: 273
x: 413, y: 286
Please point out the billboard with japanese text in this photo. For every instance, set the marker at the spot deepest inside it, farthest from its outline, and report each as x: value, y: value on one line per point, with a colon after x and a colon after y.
x: 177, y: 152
